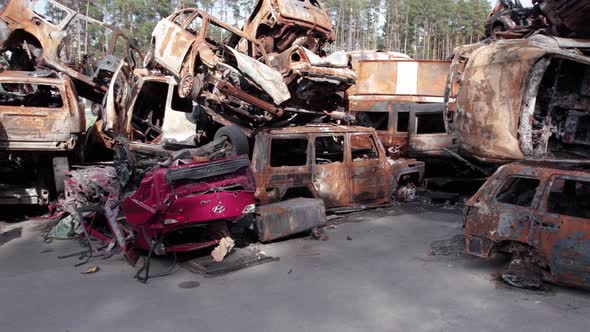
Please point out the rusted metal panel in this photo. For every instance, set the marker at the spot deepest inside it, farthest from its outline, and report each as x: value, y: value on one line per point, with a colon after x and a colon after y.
x: 280, y: 220
x: 558, y: 243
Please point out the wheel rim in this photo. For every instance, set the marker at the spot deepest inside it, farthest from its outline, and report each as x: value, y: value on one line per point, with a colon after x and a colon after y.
x: 186, y: 86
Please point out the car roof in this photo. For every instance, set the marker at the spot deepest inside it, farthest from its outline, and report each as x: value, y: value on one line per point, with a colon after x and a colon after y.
x: 551, y: 167
x: 44, y: 76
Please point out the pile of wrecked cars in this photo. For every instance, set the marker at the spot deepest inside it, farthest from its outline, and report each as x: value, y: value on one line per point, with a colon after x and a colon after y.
x: 522, y: 100
x: 215, y: 131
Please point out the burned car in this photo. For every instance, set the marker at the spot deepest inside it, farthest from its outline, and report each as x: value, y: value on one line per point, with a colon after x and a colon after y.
x: 41, y: 123
x: 161, y: 201
x: 188, y: 44
x: 521, y: 99
x: 235, y: 81
x: 510, y: 19
x: 47, y: 33
x: 141, y: 106
x: 281, y: 24
x: 538, y: 212
x: 345, y: 166
x: 403, y: 99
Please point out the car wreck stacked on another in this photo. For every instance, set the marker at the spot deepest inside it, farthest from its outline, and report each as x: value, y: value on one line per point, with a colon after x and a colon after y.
x: 525, y: 101
x: 45, y: 33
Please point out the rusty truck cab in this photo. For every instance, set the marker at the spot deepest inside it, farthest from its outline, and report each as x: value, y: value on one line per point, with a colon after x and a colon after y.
x: 537, y: 210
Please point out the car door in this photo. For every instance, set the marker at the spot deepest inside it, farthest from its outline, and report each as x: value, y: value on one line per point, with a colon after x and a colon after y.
x: 428, y: 134
x: 173, y: 41
x: 367, y: 164
x: 330, y: 174
x: 512, y: 207
x: 560, y: 229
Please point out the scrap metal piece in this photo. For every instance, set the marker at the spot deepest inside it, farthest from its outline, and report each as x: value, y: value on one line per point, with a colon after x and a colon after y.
x: 283, y: 219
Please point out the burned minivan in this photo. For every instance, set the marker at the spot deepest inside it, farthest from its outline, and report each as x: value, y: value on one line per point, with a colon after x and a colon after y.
x: 41, y: 122
x: 538, y: 212
x: 343, y: 166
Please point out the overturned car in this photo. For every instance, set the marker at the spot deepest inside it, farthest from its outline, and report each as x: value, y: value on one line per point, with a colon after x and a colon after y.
x: 521, y: 99
x: 234, y: 79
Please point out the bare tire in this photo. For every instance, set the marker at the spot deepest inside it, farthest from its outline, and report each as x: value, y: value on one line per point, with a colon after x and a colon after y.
x: 60, y: 167
x: 236, y: 137
x: 148, y: 60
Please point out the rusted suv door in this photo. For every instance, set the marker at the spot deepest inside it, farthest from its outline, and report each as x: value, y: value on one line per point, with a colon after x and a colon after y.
x: 330, y: 169
x: 368, y: 169
x: 560, y: 229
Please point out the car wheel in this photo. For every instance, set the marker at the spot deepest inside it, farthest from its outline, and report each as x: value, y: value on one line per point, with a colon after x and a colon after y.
x: 197, y: 86
x: 60, y: 167
x: 185, y: 87
x: 236, y: 137
x: 148, y: 60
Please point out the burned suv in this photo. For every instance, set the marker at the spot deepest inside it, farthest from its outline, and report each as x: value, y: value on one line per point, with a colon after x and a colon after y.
x: 343, y: 166
x: 539, y: 213
x: 41, y: 121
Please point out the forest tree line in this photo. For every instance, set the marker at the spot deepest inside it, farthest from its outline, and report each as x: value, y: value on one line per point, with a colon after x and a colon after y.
x: 423, y: 29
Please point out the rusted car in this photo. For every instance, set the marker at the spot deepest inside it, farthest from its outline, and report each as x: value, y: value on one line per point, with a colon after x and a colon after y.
x: 281, y: 24
x: 403, y: 100
x: 189, y: 44
x: 539, y: 213
x: 345, y: 166
x: 141, y: 106
x: 41, y: 123
x: 521, y: 99
x: 45, y: 32
x: 510, y: 19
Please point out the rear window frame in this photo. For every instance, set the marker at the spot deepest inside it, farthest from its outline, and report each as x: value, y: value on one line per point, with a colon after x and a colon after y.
x: 59, y: 86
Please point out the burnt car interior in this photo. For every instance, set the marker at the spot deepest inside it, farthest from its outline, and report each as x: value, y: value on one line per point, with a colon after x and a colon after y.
x: 518, y: 191
x: 569, y: 197
x: 30, y: 95
x: 561, y: 125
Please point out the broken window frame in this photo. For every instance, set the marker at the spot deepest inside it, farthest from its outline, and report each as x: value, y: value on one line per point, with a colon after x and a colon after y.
x: 417, y: 115
x: 308, y: 150
x: 57, y: 88
x: 547, y: 195
x: 508, y: 180
x: 315, y: 149
x: 396, y: 123
x: 374, y: 147
x: 63, y: 23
